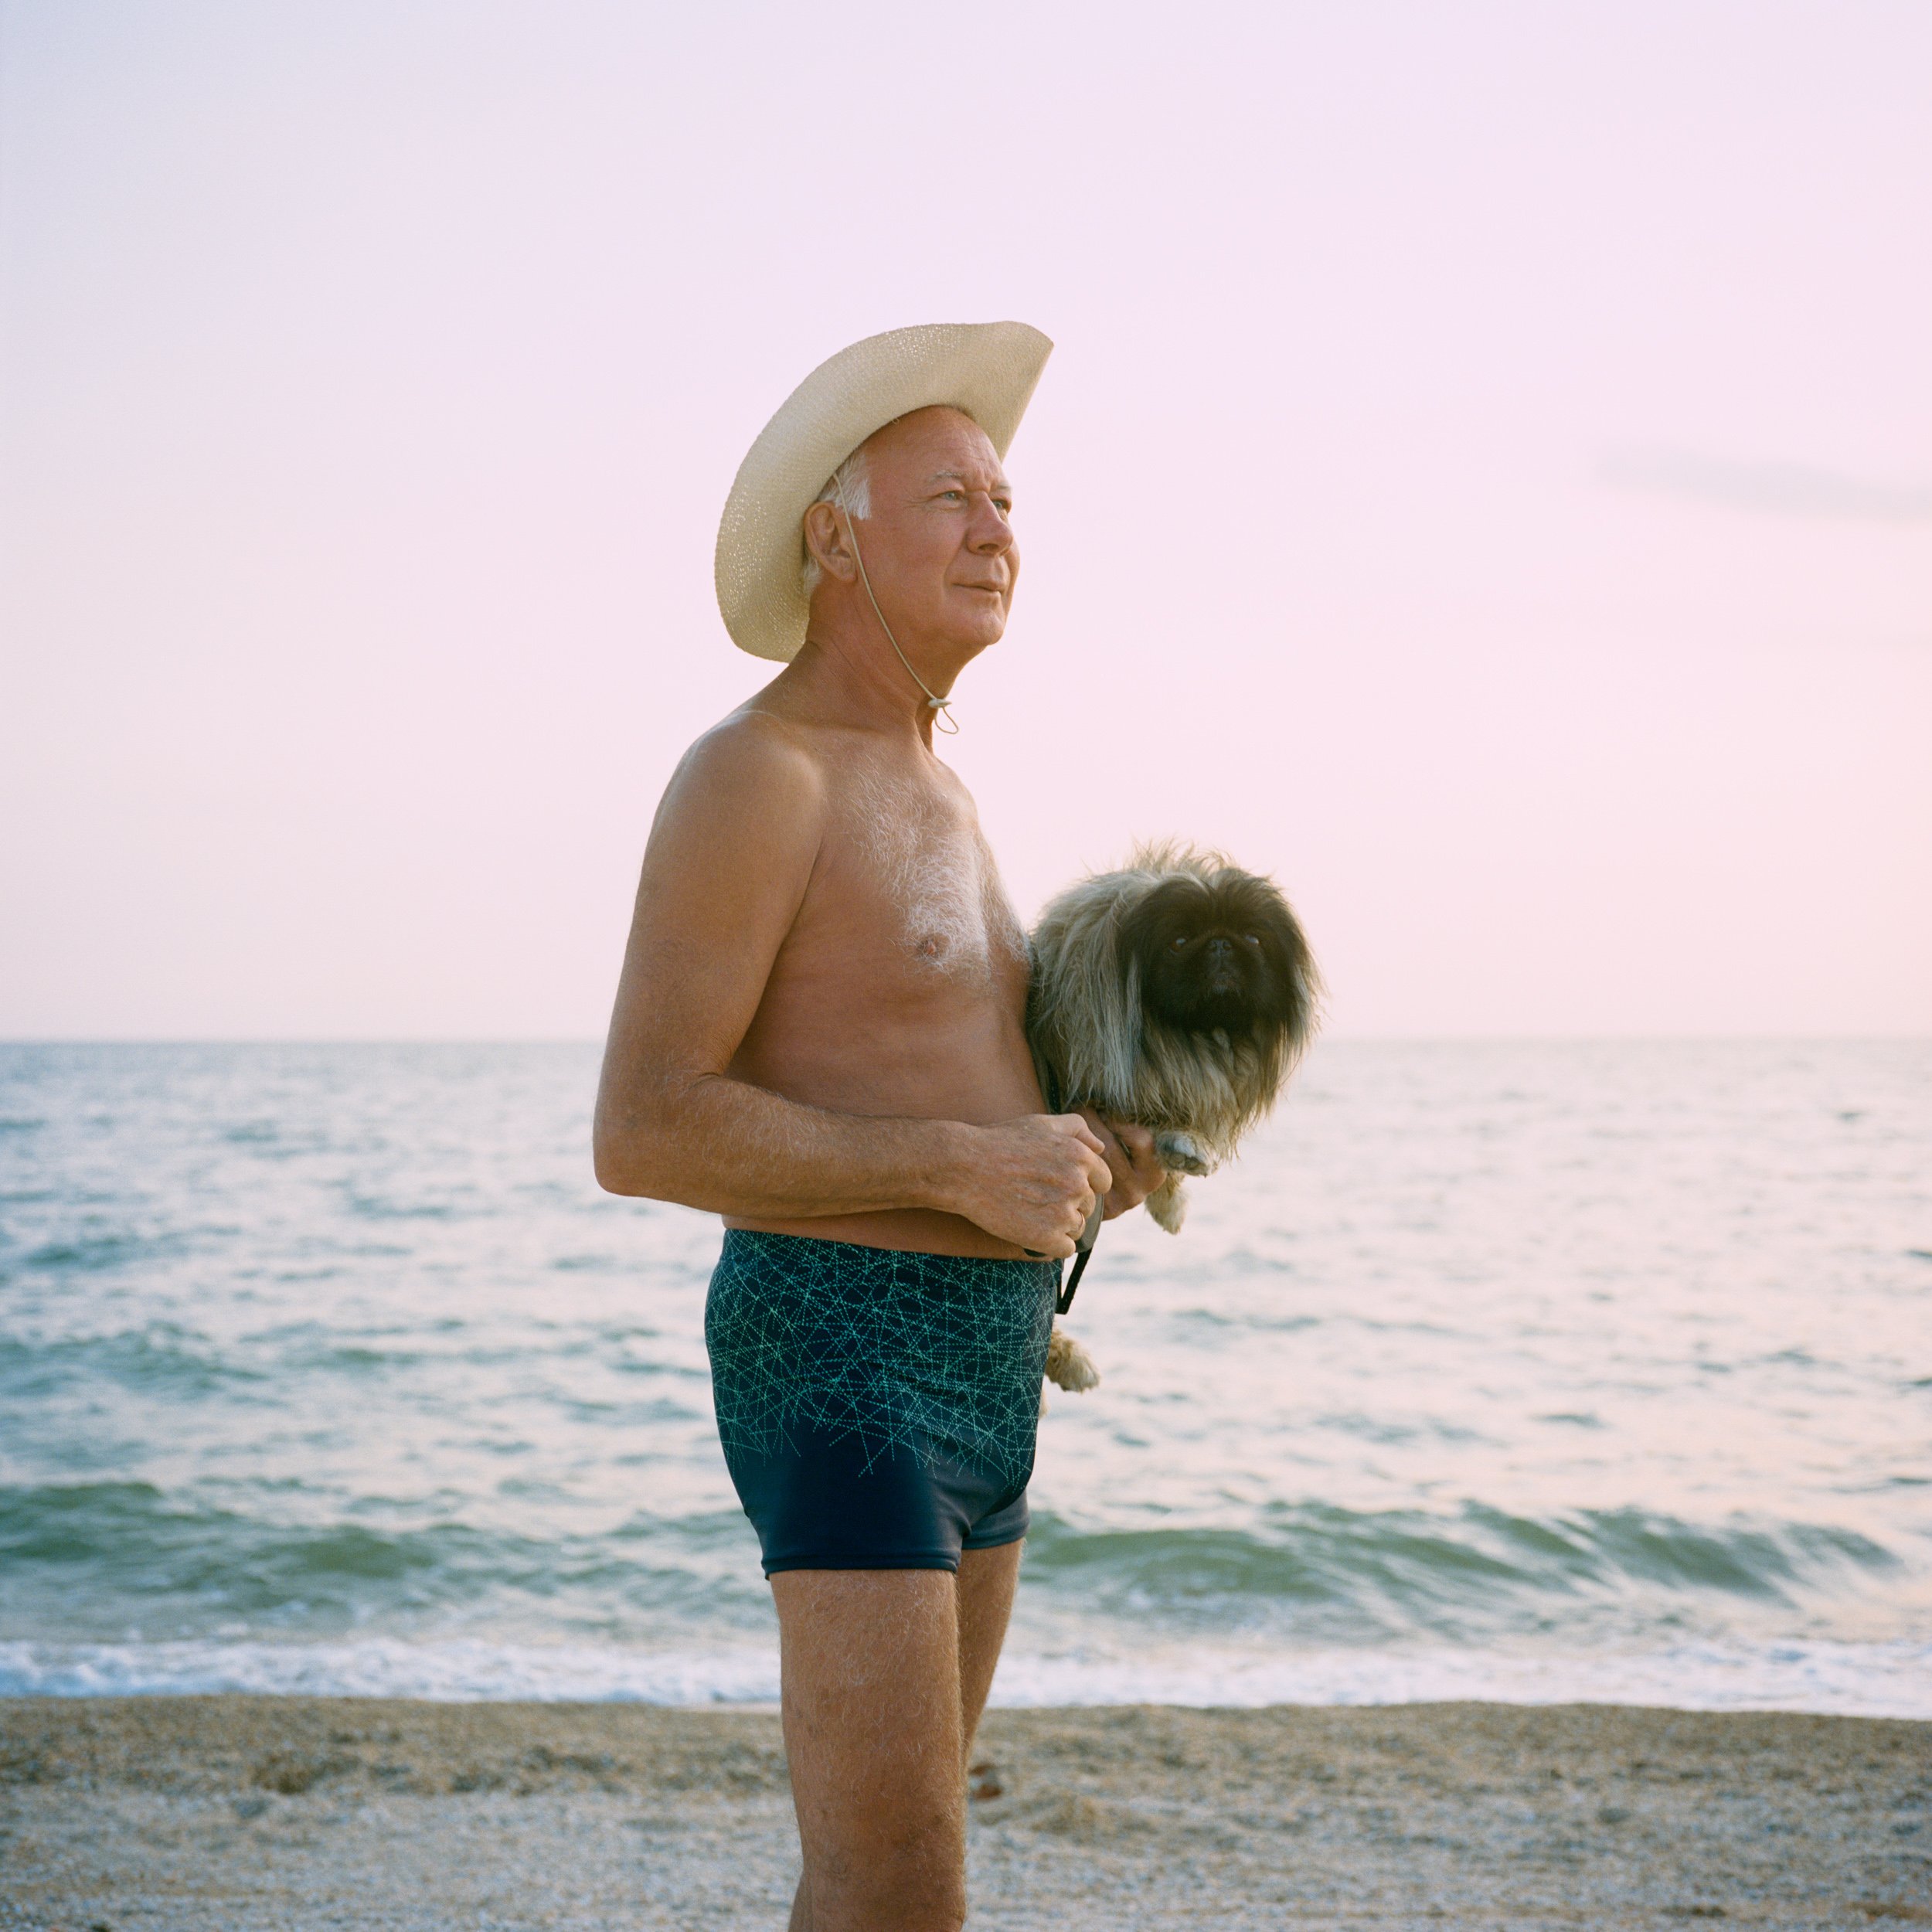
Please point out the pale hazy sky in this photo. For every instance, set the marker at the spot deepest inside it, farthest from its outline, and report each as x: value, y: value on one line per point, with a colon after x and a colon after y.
x: 1485, y: 477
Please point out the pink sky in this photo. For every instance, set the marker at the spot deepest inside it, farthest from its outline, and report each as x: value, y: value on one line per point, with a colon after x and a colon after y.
x: 1485, y: 477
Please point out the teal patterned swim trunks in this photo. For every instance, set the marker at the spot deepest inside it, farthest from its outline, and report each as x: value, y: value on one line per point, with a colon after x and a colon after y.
x: 877, y: 1408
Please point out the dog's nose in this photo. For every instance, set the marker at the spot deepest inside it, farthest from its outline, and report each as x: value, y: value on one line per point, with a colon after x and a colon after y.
x: 1219, y: 947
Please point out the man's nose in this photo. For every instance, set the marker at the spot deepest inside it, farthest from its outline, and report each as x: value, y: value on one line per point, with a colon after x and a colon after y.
x: 989, y: 532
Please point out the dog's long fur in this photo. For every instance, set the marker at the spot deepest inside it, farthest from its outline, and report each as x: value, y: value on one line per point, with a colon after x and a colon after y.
x: 1096, y: 1043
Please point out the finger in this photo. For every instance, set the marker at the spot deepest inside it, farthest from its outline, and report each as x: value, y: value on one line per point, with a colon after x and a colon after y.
x: 1082, y: 1133
x: 1138, y: 1171
x: 1120, y: 1162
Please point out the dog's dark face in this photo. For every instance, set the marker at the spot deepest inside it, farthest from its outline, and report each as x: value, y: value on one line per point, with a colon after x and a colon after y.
x: 1226, y: 956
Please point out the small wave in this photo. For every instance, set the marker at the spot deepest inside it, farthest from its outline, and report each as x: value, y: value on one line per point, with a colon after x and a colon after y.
x: 1478, y: 1576
x: 1214, y: 1321
x: 331, y: 1357
x: 144, y: 1560
x: 1408, y: 1573
x: 368, y: 1207
x: 1380, y: 1429
x: 95, y: 1254
x: 160, y: 1357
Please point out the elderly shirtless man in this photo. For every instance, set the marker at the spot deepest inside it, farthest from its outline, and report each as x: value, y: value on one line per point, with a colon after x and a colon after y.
x: 819, y: 1035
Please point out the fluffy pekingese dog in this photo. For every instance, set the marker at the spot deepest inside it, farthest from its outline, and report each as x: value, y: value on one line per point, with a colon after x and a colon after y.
x: 1177, y: 993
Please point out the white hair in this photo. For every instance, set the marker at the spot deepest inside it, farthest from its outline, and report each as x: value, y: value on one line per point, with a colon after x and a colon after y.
x: 848, y: 488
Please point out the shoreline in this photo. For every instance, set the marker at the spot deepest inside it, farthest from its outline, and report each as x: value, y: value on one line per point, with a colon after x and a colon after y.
x: 1873, y: 1677
x: 155, y: 1814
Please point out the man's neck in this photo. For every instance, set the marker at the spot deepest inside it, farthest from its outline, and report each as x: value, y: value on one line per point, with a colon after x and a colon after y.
x: 847, y: 671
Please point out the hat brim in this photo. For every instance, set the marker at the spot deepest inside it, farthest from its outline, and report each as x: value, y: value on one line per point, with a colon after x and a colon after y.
x: 988, y: 370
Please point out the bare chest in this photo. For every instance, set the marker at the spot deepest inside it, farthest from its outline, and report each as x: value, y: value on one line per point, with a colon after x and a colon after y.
x: 911, y: 877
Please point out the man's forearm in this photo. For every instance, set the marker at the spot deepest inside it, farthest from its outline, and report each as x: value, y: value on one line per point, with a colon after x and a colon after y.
x: 710, y: 1142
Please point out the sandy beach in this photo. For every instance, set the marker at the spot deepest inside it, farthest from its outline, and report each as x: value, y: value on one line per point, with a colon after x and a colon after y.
x: 219, y: 1812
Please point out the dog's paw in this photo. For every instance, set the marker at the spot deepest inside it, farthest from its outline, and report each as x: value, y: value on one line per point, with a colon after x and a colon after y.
x: 1069, y: 1366
x: 1167, y: 1205
x: 1182, y: 1153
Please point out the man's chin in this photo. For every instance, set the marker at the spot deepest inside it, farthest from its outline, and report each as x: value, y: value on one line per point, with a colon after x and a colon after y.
x: 970, y: 638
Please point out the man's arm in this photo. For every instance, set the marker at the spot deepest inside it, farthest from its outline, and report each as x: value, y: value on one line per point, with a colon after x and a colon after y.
x: 729, y: 858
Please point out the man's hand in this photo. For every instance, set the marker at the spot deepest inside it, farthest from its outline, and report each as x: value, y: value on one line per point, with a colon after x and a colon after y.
x: 1128, y: 1150
x: 1032, y: 1182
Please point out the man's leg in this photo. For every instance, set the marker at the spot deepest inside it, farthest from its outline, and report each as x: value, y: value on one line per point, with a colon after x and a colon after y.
x: 871, y: 1669
x: 987, y: 1580
x: 983, y: 1601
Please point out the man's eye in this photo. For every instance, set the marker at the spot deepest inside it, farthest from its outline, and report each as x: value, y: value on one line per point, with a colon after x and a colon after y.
x: 953, y: 496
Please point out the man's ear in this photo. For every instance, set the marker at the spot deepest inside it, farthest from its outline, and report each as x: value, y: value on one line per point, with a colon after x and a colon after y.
x: 827, y: 538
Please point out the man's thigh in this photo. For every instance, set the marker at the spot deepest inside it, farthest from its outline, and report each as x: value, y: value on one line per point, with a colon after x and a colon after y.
x: 987, y: 1579
x: 871, y: 1665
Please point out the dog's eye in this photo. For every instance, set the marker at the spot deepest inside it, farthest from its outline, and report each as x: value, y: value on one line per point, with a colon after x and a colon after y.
x: 1254, y: 939
x: 1180, y: 942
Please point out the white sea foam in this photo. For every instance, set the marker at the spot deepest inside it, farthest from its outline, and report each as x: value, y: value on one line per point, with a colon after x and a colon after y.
x: 1868, y: 1680
x: 449, y: 1671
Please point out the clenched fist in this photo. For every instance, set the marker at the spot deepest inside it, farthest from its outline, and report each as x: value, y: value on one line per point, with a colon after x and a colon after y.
x: 1033, y: 1180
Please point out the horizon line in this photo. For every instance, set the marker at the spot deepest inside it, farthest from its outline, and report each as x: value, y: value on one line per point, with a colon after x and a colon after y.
x: 1351, y: 1038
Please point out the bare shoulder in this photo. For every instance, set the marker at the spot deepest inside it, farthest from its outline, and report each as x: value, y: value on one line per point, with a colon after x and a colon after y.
x: 752, y: 753
x: 751, y: 770
x: 733, y: 846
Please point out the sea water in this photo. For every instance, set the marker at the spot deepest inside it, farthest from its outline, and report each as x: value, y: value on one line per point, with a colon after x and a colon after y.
x: 1529, y: 1371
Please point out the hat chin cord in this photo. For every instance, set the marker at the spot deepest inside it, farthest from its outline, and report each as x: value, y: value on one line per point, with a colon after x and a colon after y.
x: 941, y: 707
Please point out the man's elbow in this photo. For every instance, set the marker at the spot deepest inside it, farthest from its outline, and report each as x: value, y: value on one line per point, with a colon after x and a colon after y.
x: 614, y: 1174
x: 629, y: 1158
x: 644, y: 1139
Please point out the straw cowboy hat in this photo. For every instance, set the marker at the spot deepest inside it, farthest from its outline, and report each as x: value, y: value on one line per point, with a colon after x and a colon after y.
x: 986, y: 369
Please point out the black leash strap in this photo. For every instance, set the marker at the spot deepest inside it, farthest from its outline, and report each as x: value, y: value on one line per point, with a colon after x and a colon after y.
x: 1082, y: 1253
x: 1064, y: 1300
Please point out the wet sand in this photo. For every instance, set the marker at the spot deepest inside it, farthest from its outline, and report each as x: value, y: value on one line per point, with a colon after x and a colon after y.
x: 297, y: 1813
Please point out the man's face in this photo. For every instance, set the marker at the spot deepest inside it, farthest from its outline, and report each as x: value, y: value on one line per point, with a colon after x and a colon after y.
x: 938, y: 545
